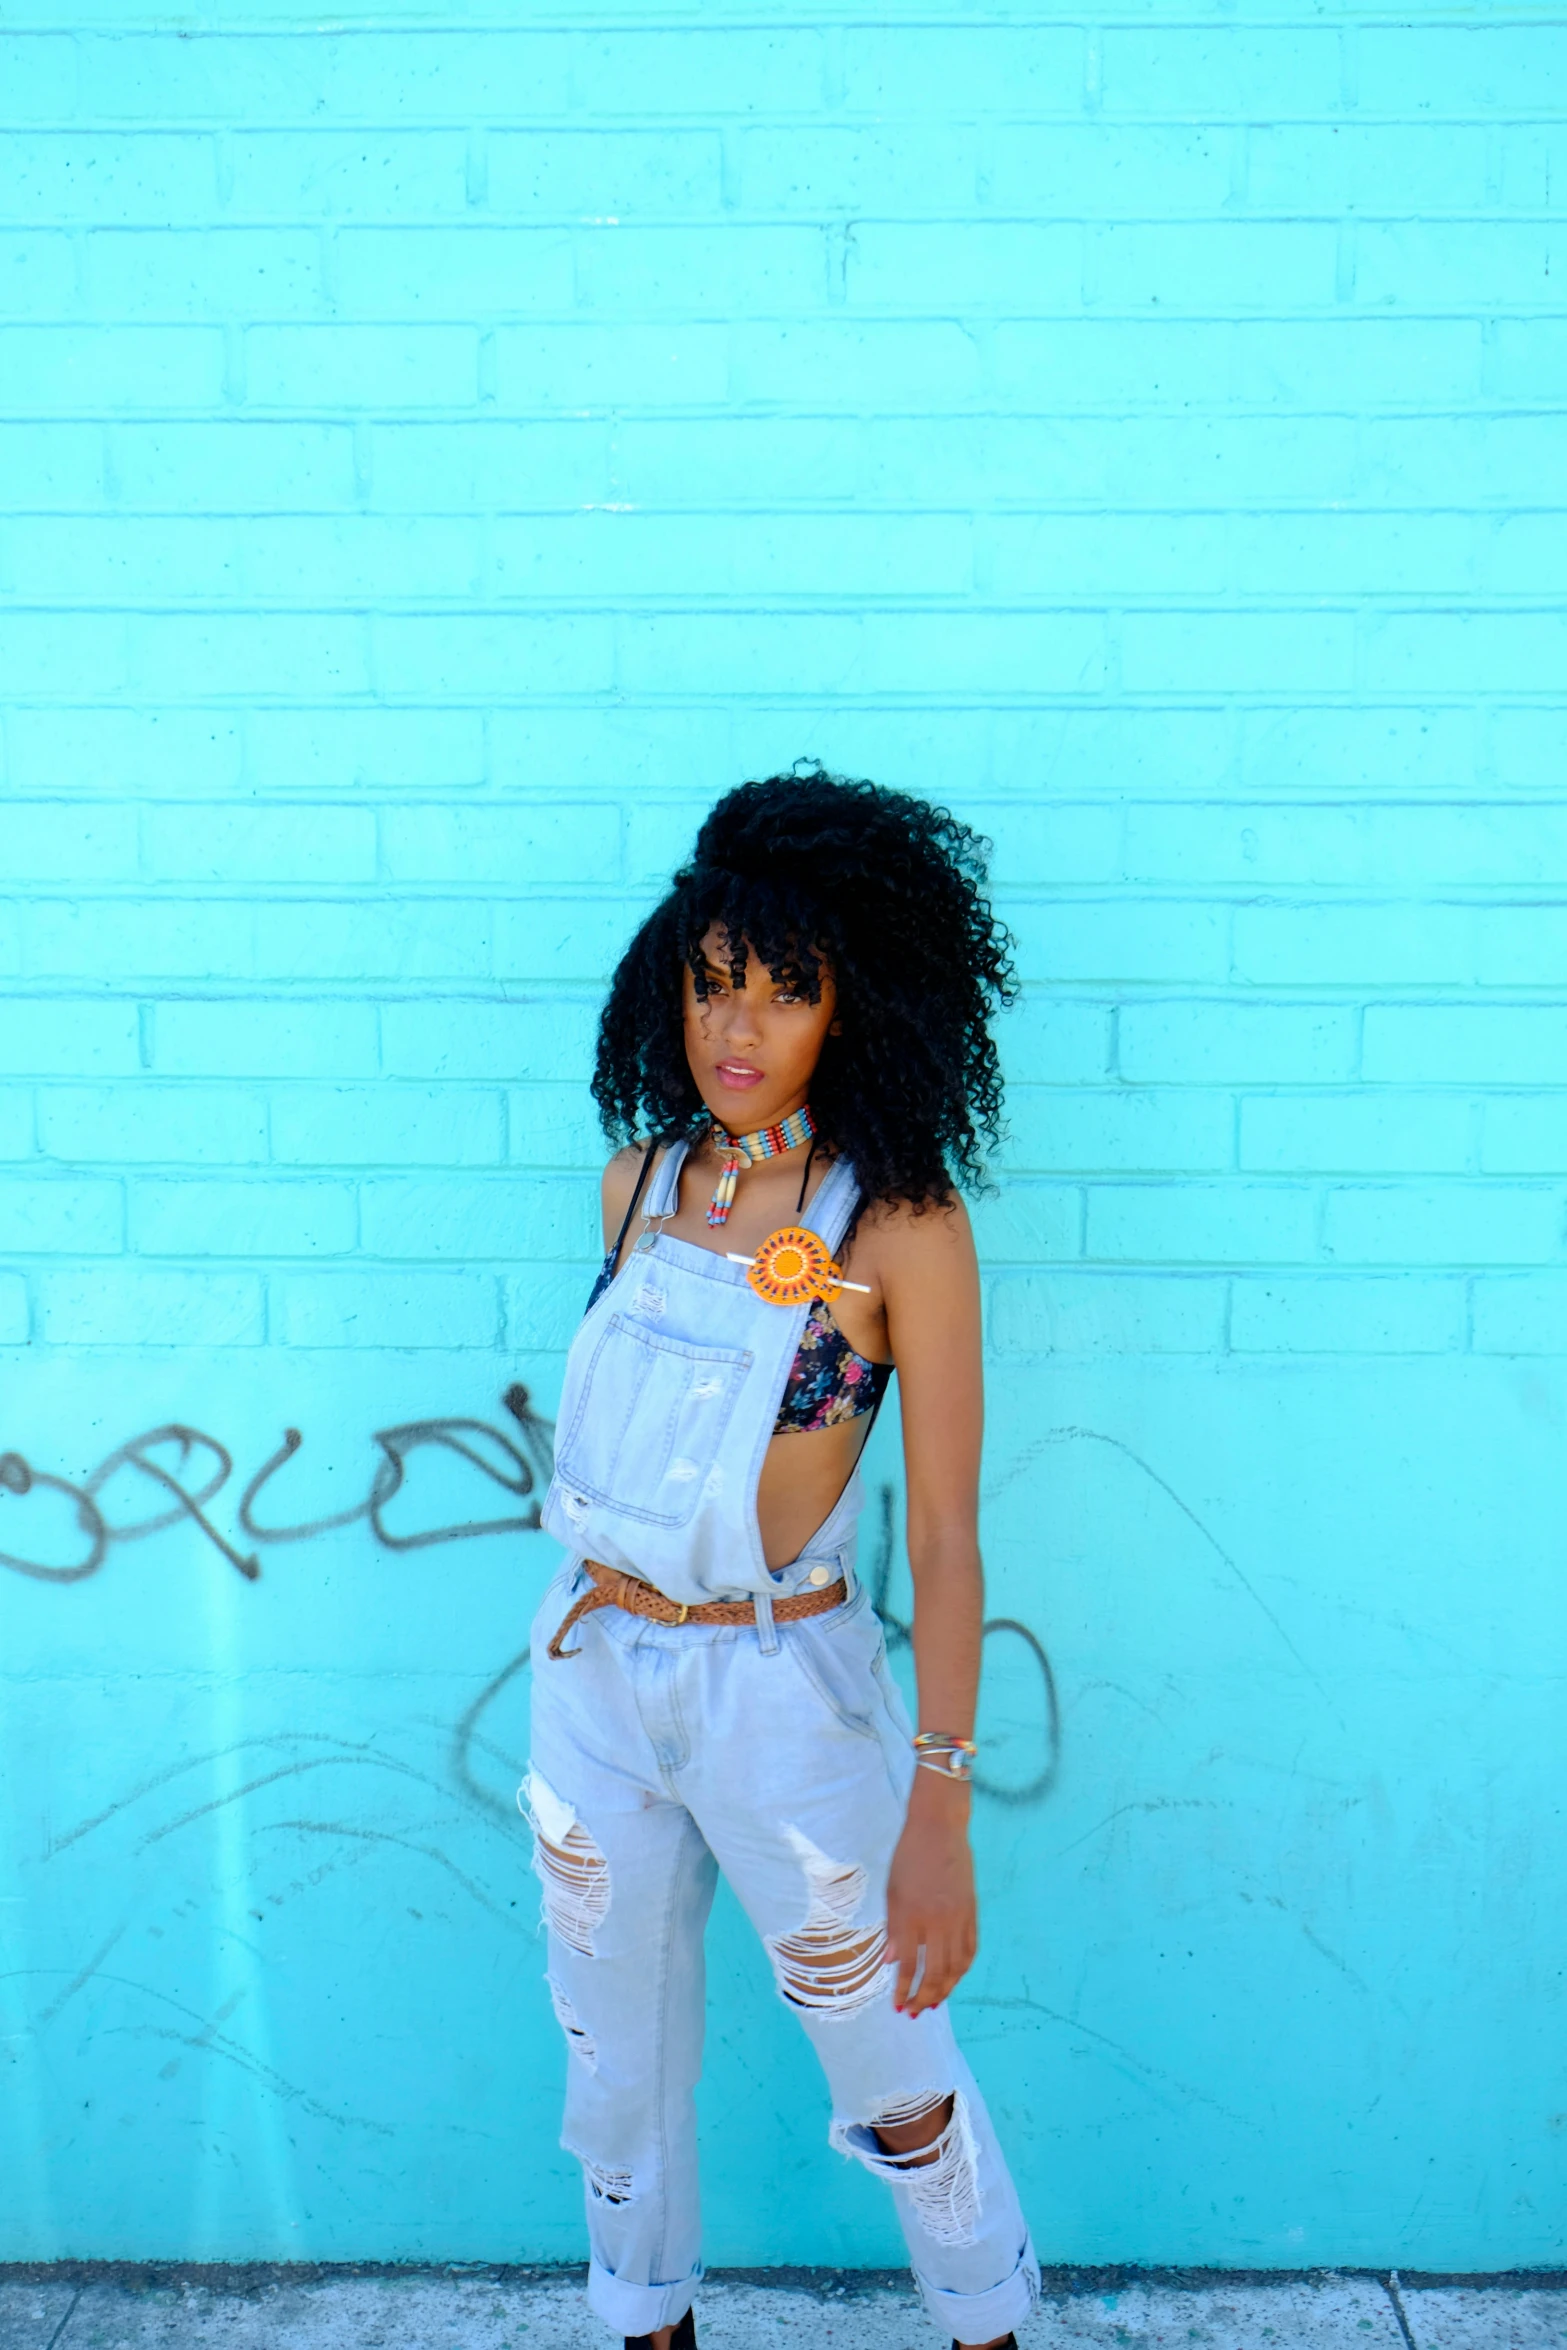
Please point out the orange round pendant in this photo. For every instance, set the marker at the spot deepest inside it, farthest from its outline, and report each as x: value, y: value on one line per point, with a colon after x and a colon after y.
x: 792, y: 1265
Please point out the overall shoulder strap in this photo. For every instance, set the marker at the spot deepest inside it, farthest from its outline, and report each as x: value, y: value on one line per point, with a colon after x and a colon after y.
x: 664, y: 1196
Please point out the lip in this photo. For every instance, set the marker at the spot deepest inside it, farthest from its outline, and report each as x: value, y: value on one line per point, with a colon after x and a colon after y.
x: 739, y: 1076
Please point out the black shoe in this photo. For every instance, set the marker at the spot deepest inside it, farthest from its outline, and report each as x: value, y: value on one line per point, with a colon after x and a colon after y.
x: 685, y: 2336
x: 1009, y: 2344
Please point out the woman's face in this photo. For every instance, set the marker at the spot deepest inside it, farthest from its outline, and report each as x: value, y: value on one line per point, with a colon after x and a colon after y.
x: 753, y: 1049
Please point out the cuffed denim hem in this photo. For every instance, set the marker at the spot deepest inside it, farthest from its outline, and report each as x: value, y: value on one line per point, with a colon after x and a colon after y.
x: 979, y: 2317
x: 638, y: 2309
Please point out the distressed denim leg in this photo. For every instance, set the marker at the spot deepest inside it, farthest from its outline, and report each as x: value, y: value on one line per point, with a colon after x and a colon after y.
x: 628, y: 1884
x: 804, y: 1819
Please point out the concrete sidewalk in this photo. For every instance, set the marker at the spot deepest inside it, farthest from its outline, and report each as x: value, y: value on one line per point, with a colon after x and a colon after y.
x: 98, y: 2307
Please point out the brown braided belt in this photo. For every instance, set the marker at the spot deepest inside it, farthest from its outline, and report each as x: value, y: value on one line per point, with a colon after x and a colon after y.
x: 612, y: 1588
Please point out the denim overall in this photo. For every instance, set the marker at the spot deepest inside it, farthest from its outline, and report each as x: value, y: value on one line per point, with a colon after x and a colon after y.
x: 672, y: 1387
x: 779, y: 1753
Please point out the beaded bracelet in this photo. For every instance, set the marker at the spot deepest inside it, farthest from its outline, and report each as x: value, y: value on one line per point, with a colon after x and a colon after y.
x: 953, y: 1758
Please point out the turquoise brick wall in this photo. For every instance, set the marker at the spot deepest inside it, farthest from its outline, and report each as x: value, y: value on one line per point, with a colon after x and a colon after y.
x: 436, y: 458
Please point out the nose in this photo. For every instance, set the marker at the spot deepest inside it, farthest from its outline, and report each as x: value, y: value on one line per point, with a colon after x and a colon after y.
x: 740, y: 1023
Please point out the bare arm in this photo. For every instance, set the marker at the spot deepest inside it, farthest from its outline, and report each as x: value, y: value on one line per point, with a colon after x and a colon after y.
x: 930, y: 1284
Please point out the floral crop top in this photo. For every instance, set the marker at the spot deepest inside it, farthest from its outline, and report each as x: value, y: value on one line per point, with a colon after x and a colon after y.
x: 828, y: 1382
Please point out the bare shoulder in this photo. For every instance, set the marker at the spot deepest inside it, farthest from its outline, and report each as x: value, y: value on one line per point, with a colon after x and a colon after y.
x: 619, y: 1181
x: 935, y: 1239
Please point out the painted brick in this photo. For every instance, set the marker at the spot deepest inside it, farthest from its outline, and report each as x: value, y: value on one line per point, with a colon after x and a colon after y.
x: 394, y: 751
x: 1525, y: 1135
x: 1216, y: 1043
x: 591, y: 174
x: 616, y: 555
x: 1051, y: 1040
x: 1341, y: 554
x: 1119, y: 1129
x: 1034, y: 846
x: 1528, y: 748
x: 1404, y: 363
x: 209, y: 272
x: 1029, y: 1223
x: 1431, y: 264
x: 511, y: 849
x: 501, y: 1218
x: 347, y: 175
x: 16, y: 1122
x: 110, y: 368
x: 37, y: 277
x: 98, y: 557
x: 1500, y: 459
x: 599, y: 366
x: 141, y: 1122
x: 728, y: 72
x: 118, y: 938
x: 1532, y: 155
x: 1087, y: 751
x: 1524, y: 357
x: 1364, y: 945
x: 1107, y: 1314
x: 54, y: 1038
x: 1460, y: 1044
x: 1332, y: 168
x: 58, y: 1215
x: 542, y: 1036
x: 280, y: 1039
x: 1522, y: 946
x: 476, y: 274
x: 1340, y: 1315
x: 1202, y: 1223
x: 210, y: 467
x: 852, y: 363
x: 361, y: 76
x: 392, y: 1309
x: 79, y: 176
x: 258, y: 1218
x: 1521, y: 1314
x: 47, y: 653
x: 469, y: 467
x: 247, y: 653
x: 1075, y: 172
x: 137, y: 1306
x: 811, y: 458
x: 1327, y: 751
x: 1368, y: 1133
x: 554, y: 1126
x: 1452, y: 1224
x: 38, y: 77
x: 1222, y: 70
x: 1244, y: 265
x: 949, y: 266
x: 562, y: 939
x: 1525, y: 557
x: 373, y: 935
x: 1163, y: 652
x: 733, y: 271
x: 544, y: 1306
x: 485, y: 653
x: 193, y: 843
x: 388, y: 1125
x: 11, y: 958
x: 361, y: 366
x: 1067, y: 556
x: 1452, y: 71
x: 57, y: 842
x: 855, y: 168
x: 357, y: 558
x: 50, y: 466
x: 995, y: 652
x: 953, y: 72
x: 1432, y: 844
x: 1120, y: 940
x: 14, y: 1318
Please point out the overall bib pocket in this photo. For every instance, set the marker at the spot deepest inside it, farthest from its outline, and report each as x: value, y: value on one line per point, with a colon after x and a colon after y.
x: 659, y: 1409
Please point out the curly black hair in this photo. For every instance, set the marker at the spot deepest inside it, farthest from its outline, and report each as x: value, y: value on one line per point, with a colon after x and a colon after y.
x: 888, y: 891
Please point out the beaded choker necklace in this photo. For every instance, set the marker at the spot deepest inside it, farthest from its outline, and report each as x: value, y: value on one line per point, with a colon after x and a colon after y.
x: 741, y: 1149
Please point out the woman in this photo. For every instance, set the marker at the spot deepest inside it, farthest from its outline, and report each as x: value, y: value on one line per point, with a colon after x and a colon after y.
x: 801, y: 1027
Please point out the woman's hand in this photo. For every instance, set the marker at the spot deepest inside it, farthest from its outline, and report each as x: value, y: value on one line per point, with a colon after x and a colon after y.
x: 930, y: 1896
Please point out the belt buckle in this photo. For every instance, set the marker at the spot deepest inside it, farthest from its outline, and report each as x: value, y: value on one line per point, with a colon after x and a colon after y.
x: 684, y: 1612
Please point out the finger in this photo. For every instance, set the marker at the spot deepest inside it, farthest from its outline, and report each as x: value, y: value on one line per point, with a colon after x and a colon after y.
x: 906, y: 1951
x: 935, y: 1980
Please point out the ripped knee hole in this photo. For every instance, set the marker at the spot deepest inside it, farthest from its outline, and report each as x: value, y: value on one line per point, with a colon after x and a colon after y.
x: 569, y: 1866
x: 939, y: 2174
x: 827, y: 1964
